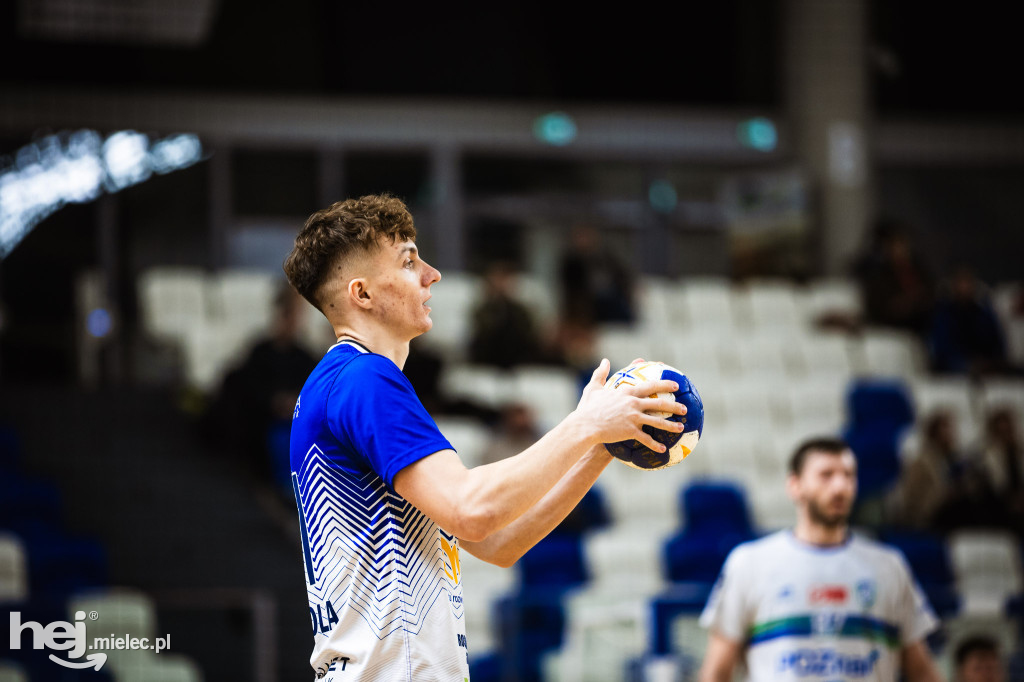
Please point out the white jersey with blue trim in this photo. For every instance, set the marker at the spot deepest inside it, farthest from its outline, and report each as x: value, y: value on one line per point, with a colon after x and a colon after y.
x: 818, y: 613
x: 383, y: 580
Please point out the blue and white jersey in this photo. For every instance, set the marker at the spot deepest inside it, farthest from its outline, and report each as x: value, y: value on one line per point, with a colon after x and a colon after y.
x: 819, y: 613
x: 385, y: 595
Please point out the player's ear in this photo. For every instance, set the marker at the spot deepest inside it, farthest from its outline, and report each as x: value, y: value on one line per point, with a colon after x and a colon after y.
x: 359, y: 292
x: 793, y: 486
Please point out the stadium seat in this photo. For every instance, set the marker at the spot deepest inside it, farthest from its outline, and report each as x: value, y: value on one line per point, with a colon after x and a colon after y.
x: 451, y: 304
x: 531, y: 623
x: 467, y: 435
x: 243, y: 298
x: 771, y: 303
x: 890, y: 353
x: 622, y: 344
x: 555, y: 563
x: 601, y: 637
x: 680, y: 600
x: 987, y: 565
x: 120, y: 610
x: 487, y: 386
x: 12, y: 672
x: 717, y: 519
x: 552, y: 392
x: 821, y: 355
x: 948, y: 393
x: 831, y: 296
x: 764, y: 357
x: 660, y: 305
x: 816, y: 407
x: 642, y: 496
x: 625, y: 557
x: 930, y: 563
x: 172, y: 300
x: 535, y: 294
x: 59, y: 563
x: 1003, y: 392
x: 709, y: 303
x: 879, y: 412
x: 211, y: 348
x: 483, y: 585
x: 13, y: 569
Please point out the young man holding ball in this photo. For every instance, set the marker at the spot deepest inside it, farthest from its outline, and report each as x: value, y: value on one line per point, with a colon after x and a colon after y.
x: 385, y: 502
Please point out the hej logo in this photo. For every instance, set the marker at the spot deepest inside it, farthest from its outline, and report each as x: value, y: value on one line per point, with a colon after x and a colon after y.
x: 59, y: 636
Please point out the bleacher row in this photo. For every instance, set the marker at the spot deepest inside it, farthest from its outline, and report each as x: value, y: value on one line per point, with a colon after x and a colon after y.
x: 769, y: 377
x: 48, y: 575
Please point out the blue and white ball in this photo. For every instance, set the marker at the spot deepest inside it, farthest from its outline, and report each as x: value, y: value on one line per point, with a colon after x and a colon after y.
x: 680, y: 445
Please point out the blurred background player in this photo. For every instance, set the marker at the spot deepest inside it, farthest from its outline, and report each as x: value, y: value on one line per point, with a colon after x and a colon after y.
x: 385, y: 503
x: 977, y: 659
x: 818, y: 603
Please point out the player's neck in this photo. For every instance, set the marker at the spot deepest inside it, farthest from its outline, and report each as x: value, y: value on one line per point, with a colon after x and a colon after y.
x: 376, y: 341
x: 820, y: 535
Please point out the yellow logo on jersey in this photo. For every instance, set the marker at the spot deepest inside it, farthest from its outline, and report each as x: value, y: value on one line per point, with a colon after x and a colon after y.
x: 453, y: 559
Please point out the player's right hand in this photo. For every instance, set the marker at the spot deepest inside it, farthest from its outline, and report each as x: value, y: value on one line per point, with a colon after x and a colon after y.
x: 610, y: 415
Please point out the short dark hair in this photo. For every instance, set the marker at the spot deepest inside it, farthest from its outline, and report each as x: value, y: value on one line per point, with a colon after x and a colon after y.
x: 339, y: 230
x: 972, y: 645
x: 827, y: 444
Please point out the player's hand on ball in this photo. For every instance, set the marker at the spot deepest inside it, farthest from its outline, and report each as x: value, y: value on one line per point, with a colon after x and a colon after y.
x: 611, y: 415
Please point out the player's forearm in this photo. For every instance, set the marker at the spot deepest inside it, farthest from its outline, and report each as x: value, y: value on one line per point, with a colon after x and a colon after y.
x: 506, y: 546
x: 494, y: 495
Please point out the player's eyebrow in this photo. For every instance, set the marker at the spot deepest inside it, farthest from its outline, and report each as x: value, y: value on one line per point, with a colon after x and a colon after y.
x: 408, y: 249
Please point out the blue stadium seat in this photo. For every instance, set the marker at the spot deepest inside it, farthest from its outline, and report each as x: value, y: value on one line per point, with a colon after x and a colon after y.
x: 556, y: 563
x: 680, y: 598
x: 530, y: 623
x: 58, y: 563
x: 717, y: 519
x: 24, y: 497
x: 879, y: 411
x: 930, y: 563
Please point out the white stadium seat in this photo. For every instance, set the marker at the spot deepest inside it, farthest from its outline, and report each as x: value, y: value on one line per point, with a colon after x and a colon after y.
x: 467, y: 435
x: 709, y: 303
x: 244, y: 298
x: 832, y: 296
x: 13, y: 570
x: 12, y: 672
x: 622, y: 344
x: 987, y: 568
x: 482, y: 585
x: 451, y: 306
x: 172, y: 299
x: 953, y: 394
x: 771, y: 303
x: 483, y: 384
x: 552, y: 392
x: 890, y: 353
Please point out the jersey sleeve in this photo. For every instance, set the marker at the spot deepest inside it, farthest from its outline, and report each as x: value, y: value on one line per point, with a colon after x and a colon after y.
x: 726, y: 611
x: 373, y: 408
x: 917, y: 619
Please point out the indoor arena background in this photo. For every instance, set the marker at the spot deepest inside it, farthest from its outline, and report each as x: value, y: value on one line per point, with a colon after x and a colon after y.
x: 786, y: 199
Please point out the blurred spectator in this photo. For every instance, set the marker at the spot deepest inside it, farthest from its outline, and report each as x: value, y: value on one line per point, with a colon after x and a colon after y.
x: 257, y: 398
x: 895, y: 284
x: 941, y: 488
x: 976, y: 659
x: 966, y: 335
x: 424, y: 368
x: 1002, y: 459
x: 516, y: 431
x: 503, y: 330
x: 596, y: 285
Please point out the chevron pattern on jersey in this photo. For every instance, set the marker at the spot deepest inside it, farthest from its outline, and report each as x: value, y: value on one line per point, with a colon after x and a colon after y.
x: 371, y: 550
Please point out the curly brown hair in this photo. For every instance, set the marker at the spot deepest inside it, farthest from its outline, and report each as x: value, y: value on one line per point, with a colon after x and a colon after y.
x: 336, y: 232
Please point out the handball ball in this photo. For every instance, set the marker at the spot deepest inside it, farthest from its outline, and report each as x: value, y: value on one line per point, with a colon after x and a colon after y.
x: 679, y: 445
